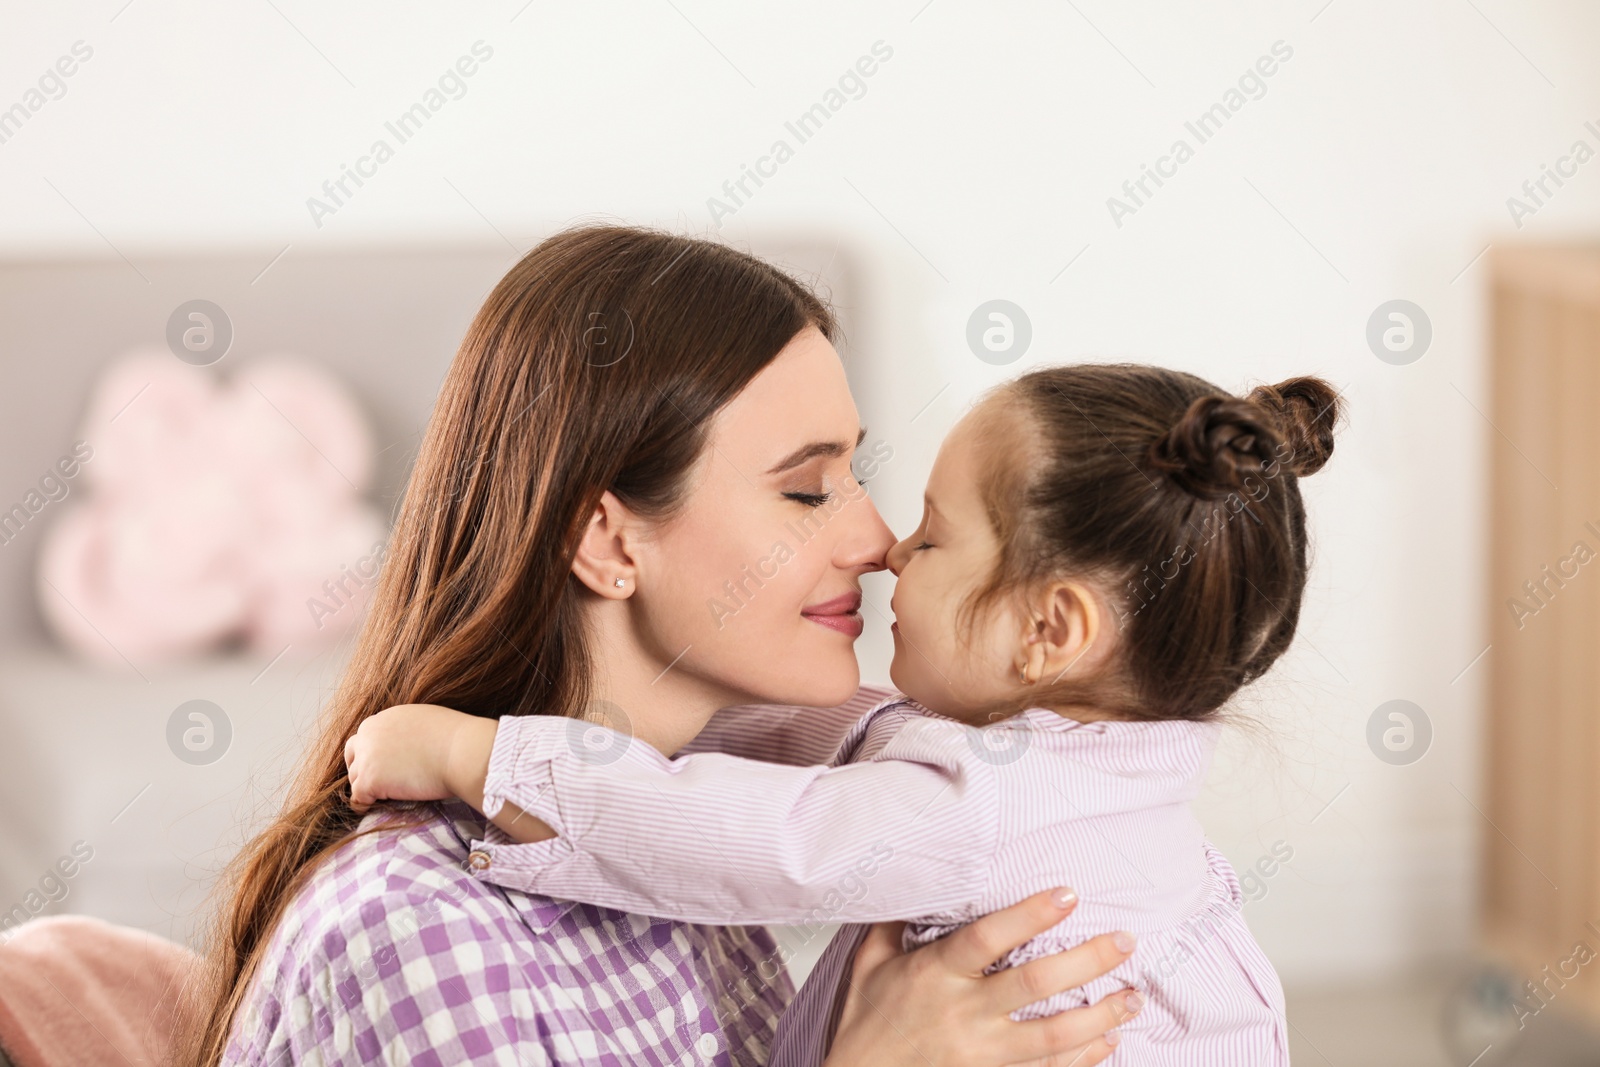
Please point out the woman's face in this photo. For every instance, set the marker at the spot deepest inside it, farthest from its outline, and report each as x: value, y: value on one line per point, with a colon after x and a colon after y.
x: 757, y: 576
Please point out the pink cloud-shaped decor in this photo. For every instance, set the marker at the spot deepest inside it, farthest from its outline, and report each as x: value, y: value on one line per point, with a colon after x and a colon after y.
x: 214, y: 512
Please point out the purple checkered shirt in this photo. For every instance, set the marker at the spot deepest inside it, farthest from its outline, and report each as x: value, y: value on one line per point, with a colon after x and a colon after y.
x: 394, y: 953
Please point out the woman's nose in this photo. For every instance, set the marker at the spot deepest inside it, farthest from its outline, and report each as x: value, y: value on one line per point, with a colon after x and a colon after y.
x: 870, y: 538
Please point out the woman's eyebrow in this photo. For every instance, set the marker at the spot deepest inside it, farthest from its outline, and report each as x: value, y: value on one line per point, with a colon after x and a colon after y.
x: 815, y: 449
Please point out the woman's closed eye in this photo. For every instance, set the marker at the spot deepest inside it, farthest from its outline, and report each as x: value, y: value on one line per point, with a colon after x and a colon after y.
x: 810, y: 500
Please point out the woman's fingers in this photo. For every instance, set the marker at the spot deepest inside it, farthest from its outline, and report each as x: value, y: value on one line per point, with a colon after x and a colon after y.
x: 1017, y: 987
x: 1094, y: 1052
x: 903, y: 1006
x: 973, y: 947
x: 1073, y: 1032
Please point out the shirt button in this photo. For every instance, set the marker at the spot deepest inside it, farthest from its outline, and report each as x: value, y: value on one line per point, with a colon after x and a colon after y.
x: 707, y: 1044
x: 478, y: 860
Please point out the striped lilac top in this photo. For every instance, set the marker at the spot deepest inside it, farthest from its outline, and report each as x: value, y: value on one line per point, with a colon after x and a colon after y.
x: 910, y: 816
x: 393, y: 954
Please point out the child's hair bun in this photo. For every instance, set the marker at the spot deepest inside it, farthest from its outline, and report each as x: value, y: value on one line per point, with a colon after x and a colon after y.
x: 1306, y: 409
x: 1222, y: 440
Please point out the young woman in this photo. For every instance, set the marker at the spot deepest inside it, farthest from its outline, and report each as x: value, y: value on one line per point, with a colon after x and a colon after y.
x: 631, y: 420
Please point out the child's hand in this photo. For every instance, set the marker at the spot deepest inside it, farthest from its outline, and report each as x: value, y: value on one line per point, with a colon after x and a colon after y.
x: 403, y: 753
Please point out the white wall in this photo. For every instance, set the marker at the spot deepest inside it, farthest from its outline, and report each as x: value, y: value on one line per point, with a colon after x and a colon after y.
x: 977, y: 165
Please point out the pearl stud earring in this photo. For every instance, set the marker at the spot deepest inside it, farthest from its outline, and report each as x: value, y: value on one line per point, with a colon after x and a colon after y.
x: 620, y: 582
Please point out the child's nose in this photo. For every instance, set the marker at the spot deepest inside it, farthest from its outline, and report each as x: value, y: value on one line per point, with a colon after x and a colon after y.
x: 899, y: 552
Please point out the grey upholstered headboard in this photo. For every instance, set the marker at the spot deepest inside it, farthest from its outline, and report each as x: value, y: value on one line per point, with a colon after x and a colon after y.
x: 385, y: 321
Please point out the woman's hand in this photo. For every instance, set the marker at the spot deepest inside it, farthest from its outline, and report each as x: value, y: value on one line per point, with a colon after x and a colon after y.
x: 935, y: 1006
x: 416, y: 752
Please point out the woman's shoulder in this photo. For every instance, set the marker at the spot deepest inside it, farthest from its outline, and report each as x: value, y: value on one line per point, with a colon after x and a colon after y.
x: 384, y: 885
x: 389, y: 933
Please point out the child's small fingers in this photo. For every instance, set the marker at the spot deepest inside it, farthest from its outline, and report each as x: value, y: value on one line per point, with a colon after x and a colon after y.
x: 349, y: 750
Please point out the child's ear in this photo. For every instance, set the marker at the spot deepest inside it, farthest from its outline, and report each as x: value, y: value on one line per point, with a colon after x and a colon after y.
x: 606, y: 561
x: 1065, y: 625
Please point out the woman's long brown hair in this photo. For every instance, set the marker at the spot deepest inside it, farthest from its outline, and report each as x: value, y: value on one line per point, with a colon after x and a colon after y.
x: 597, y: 363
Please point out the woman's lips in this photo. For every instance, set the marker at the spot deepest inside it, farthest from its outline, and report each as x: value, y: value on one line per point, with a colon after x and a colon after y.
x: 842, y: 613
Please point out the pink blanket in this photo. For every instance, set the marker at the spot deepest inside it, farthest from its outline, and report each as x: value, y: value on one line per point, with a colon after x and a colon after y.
x: 78, y: 992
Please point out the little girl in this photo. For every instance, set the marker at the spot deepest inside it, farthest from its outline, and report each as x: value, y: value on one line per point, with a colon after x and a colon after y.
x: 1107, y: 553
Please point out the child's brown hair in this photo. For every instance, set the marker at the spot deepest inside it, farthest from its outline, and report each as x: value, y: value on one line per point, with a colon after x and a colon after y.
x: 1178, y: 500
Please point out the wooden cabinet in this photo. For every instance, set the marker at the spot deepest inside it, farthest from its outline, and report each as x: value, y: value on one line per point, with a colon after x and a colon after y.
x: 1542, y: 796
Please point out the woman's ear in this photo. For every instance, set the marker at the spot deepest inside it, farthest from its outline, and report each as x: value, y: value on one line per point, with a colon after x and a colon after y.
x: 1063, y: 628
x: 605, y: 561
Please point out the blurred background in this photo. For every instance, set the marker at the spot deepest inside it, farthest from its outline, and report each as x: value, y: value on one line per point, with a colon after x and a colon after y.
x: 241, y: 242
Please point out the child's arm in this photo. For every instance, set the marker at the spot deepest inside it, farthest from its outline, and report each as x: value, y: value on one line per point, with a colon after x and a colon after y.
x: 776, y: 733
x: 422, y: 743
x: 706, y: 837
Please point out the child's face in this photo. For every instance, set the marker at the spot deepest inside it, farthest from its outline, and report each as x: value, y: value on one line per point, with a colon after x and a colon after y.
x: 964, y: 674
